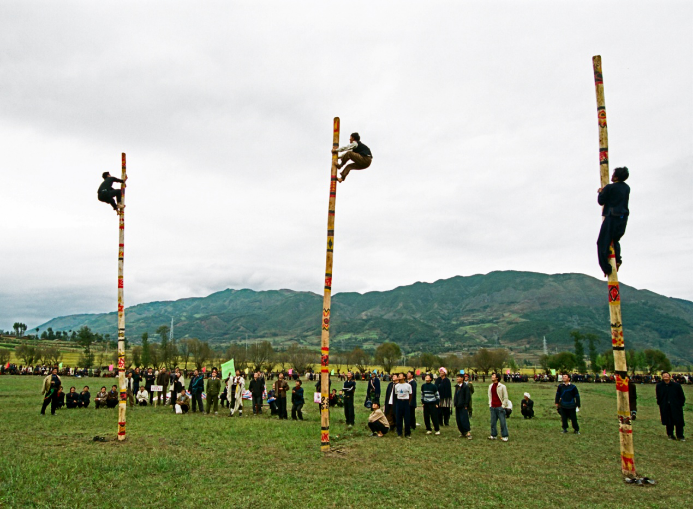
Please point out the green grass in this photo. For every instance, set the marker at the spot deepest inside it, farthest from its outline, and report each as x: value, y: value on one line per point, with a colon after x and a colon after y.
x: 191, y: 460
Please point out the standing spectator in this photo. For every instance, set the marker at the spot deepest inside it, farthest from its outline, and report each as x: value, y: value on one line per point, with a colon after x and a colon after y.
x: 471, y: 392
x: 445, y: 393
x: 213, y: 390
x: 462, y: 398
x: 349, y: 389
x: 130, y: 388
x: 100, y: 399
x: 257, y: 388
x: 567, y: 402
x: 136, y: 379
x: 164, y: 380
x: 412, y: 403
x: 373, y: 391
x: 297, y: 401
x: 142, y: 396
x: 177, y: 385
x: 527, y: 407
x: 390, y: 401
x: 670, y: 398
x: 235, y: 387
x: 51, y: 385
x: 196, y: 388
x: 280, y: 389
x: 84, y: 397
x: 429, y: 401
x: 402, y: 408
x: 377, y: 421
x: 149, y: 379
x: 497, y: 399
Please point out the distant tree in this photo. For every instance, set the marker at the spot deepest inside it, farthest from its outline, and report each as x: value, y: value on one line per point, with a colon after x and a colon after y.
x: 260, y: 354
x: 388, y: 354
x: 282, y: 360
x: 44, y: 335
x: 360, y: 359
x: 606, y: 360
x: 300, y: 358
x: 453, y: 363
x: 429, y: 361
x: 486, y: 360
x: 656, y: 360
x: 51, y: 334
x: 163, y: 332
x: 4, y: 356
x: 592, y: 352
x: 155, y: 357
x: 578, y: 337
x: 239, y: 355
x: 146, y: 357
x: 563, y: 362
x: 26, y: 353
x: 544, y: 363
x: 136, y: 354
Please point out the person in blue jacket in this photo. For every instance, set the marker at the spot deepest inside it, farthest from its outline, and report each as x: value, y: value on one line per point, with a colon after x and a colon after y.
x: 196, y: 388
x: 567, y: 402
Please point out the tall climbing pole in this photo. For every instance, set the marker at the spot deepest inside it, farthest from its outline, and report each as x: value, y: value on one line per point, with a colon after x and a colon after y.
x: 617, y: 343
x: 326, y: 303
x: 122, y: 403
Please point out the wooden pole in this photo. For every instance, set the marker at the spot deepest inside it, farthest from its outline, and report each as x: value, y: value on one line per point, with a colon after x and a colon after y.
x: 326, y: 304
x: 122, y: 403
x: 617, y: 342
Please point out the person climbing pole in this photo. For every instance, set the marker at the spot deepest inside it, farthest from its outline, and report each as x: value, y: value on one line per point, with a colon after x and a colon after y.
x: 107, y: 194
x: 614, y: 198
x: 357, y: 152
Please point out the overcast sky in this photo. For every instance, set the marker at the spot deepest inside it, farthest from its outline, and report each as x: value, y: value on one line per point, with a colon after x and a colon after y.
x: 481, y: 117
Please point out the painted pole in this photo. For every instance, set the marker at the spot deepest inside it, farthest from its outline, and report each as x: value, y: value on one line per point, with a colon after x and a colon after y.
x: 122, y: 403
x: 326, y: 304
x: 617, y: 342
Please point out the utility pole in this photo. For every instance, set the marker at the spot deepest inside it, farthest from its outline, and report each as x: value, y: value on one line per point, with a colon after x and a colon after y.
x: 326, y: 302
x: 122, y: 403
x: 617, y: 342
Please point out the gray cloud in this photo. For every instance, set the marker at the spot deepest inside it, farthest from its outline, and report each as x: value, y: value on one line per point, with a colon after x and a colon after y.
x: 481, y: 117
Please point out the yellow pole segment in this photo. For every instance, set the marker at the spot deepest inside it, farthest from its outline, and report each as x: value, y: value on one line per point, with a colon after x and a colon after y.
x: 326, y: 303
x: 122, y: 403
x: 617, y: 342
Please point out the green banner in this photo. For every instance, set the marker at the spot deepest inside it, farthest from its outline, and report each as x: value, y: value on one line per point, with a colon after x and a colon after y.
x: 228, y: 368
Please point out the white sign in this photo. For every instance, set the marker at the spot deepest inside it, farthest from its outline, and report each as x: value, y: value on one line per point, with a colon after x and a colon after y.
x: 157, y: 388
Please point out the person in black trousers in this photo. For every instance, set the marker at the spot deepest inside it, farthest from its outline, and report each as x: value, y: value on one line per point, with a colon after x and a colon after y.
x: 614, y: 198
x: 349, y: 389
x: 461, y: 402
x: 412, y: 402
x: 445, y: 392
x: 148, y: 382
x: 671, y: 399
x: 527, y: 407
x: 373, y: 392
x: 297, y: 402
x: 402, y: 407
x: 257, y: 389
x: 429, y: 401
x: 196, y: 388
x: 51, y: 384
x: 567, y: 402
x: 107, y: 194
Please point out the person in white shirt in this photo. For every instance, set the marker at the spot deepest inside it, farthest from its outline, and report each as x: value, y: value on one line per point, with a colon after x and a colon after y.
x: 403, y: 395
x: 357, y: 152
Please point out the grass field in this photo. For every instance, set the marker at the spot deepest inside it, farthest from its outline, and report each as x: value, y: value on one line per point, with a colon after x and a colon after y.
x: 191, y: 460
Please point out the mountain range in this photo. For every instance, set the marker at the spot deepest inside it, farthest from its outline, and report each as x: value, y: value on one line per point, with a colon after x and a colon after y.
x: 510, y: 309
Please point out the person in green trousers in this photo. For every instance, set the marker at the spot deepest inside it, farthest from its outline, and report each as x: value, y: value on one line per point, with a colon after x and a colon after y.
x: 213, y: 390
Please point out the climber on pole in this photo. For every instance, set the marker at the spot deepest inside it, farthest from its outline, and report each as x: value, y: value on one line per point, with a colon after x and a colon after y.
x: 357, y: 152
x: 107, y: 194
x: 614, y: 198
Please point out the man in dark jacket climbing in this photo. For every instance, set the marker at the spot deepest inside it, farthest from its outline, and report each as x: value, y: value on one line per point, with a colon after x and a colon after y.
x: 107, y: 194
x: 614, y: 198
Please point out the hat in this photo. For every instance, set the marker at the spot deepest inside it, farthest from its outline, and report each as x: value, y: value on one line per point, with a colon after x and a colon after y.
x: 443, y: 370
x: 527, y: 394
